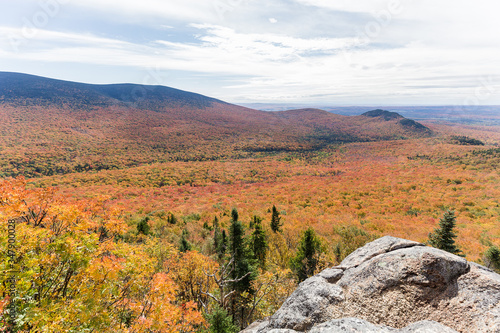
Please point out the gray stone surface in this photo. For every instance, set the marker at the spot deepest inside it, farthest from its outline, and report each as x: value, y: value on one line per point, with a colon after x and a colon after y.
x: 307, y: 304
x: 355, y: 325
x: 382, y: 245
x: 429, y: 268
x: 256, y: 326
x: 387, y: 284
x: 426, y: 326
x: 331, y: 275
x: 351, y: 325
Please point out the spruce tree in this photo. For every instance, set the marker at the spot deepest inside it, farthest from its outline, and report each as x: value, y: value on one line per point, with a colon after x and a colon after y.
x: 444, y: 237
x: 276, y: 223
x: 242, y: 269
x: 220, y: 240
x: 171, y: 218
x: 306, y: 260
x: 492, y: 258
x: 184, y: 244
x: 259, y: 242
x: 143, y: 226
x: 239, y: 253
x: 220, y: 321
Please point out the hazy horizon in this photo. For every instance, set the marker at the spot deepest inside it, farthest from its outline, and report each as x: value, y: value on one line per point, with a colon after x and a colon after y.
x: 309, y: 52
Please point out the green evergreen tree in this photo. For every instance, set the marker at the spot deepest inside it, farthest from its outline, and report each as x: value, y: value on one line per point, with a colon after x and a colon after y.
x: 306, y: 260
x: 276, y: 223
x: 444, y: 237
x: 239, y: 253
x: 223, y: 243
x: 242, y: 270
x: 143, y: 226
x: 215, y: 223
x: 184, y: 243
x: 220, y: 321
x: 171, y: 218
x: 492, y: 258
x: 220, y: 240
x: 206, y: 226
x: 259, y: 242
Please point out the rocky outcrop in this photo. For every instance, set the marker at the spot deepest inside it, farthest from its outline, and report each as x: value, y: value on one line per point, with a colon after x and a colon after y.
x: 393, y: 285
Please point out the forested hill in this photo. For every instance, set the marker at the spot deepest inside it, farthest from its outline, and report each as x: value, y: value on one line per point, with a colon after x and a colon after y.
x: 24, y: 88
x: 51, y: 126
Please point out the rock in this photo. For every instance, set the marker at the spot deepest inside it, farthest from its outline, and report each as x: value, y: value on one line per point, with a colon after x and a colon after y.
x: 393, y: 285
x: 426, y: 326
x: 256, y: 326
x: 331, y: 275
x: 475, y: 306
x: 422, y: 266
x: 353, y: 325
x: 307, y: 304
x: 356, y: 325
x: 382, y: 245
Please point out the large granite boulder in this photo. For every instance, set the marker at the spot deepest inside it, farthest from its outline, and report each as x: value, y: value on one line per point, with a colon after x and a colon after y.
x: 393, y: 285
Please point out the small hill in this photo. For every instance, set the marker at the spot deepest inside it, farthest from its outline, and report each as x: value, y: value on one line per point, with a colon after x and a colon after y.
x: 386, y: 115
x: 53, y: 127
x: 397, y: 119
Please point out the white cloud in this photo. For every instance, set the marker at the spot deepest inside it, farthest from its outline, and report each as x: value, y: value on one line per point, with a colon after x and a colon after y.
x: 422, y: 51
x: 282, y: 67
x: 185, y: 10
x: 459, y: 22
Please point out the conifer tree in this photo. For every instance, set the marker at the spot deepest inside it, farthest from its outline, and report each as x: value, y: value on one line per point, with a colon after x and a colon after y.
x: 171, y: 218
x: 259, y: 242
x: 239, y: 253
x: 220, y: 321
x: 184, y: 243
x: 492, y: 258
x: 220, y: 240
x: 306, y: 260
x: 276, y: 223
x: 143, y: 226
x: 242, y: 271
x: 444, y: 237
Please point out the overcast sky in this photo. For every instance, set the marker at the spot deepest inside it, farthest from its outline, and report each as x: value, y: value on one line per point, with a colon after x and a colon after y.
x: 329, y: 52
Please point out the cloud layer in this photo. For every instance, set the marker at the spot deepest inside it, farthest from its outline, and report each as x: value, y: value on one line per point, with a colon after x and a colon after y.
x: 313, y: 51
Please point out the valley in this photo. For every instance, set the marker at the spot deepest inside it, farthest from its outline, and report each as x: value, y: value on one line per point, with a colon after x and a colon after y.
x: 140, y: 200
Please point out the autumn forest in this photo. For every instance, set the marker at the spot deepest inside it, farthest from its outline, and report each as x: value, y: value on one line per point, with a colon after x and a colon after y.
x: 175, y: 212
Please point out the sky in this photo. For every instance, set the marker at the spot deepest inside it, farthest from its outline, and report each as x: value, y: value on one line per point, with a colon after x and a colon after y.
x: 327, y: 52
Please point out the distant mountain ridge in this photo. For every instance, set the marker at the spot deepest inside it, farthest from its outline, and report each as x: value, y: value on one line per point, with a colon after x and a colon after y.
x: 386, y: 115
x: 17, y: 86
x: 53, y: 126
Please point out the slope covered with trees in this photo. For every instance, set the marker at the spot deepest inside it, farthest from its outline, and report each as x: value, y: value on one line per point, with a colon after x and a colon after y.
x: 55, y: 127
x: 181, y: 213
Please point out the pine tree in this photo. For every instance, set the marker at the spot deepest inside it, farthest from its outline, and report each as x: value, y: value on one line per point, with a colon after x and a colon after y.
x: 143, y: 226
x: 171, y: 218
x: 220, y: 321
x: 444, y: 237
x: 220, y: 240
x: 259, y: 242
x: 242, y: 270
x: 492, y: 258
x: 306, y: 260
x: 184, y: 243
x: 275, y: 220
x: 239, y: 253
x: 206, y: 226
